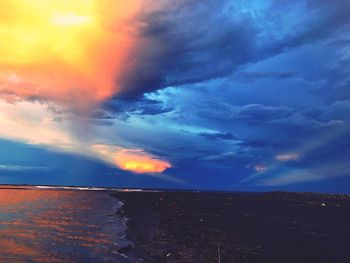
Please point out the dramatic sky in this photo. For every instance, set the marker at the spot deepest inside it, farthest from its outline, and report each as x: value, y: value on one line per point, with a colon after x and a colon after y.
x: 199, y: 94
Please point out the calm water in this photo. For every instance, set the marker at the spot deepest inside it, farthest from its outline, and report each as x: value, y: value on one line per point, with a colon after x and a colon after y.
x: 60, y: 226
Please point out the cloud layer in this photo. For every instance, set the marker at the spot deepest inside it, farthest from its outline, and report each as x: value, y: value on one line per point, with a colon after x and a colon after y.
x: 244, y: 95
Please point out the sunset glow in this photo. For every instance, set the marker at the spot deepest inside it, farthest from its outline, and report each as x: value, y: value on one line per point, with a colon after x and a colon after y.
x: 134, y: 160
x: 140, y: 162
x: 213, y: 94
x: 63, y: 50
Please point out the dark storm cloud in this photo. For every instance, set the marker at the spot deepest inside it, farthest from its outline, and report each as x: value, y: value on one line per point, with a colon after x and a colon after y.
x: 301, y: 121
x: 251, y: 113
x: 233, y: 90
x: 218, y: 136
x: 124, y: 108
x: 197, y: 42
x: 323, y: 19
x: 309, y: 118
x: 192, y: 63
x: 252, y: 76
x: 261, y: 113
x: 203, y: 40
x: 325, y: 116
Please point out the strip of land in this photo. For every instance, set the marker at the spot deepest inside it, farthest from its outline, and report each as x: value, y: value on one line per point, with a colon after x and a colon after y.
x: 225, y: 227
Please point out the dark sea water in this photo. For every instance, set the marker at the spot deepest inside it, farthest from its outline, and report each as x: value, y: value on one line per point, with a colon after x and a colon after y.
x: 60, y: 226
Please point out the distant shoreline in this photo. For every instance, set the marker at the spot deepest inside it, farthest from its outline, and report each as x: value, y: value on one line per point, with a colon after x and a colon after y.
x: 155, y: 190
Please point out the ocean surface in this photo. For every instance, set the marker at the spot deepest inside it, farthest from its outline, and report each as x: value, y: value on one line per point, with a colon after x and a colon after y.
x: 60, y: 226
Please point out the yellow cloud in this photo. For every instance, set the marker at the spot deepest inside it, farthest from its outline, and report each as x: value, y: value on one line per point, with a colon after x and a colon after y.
x: 64, y: 50
x: 135, y: 160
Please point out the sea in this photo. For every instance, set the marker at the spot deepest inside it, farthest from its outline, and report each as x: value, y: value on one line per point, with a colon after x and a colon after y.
x: 39, y: 224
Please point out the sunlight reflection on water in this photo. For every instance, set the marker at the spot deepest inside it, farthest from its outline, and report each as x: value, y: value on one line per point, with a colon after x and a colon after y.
x: 60, y: 226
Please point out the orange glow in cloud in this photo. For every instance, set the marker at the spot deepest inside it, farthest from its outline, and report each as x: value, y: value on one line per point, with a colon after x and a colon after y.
x: 134, y: 160
x: 64, y: 50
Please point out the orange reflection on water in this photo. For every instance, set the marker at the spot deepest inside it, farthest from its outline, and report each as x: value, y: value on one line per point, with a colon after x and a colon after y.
x: 58, y: 226
x: 14, y: 196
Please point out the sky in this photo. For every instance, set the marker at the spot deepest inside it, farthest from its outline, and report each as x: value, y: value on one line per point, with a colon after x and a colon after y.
x: 241, y: 95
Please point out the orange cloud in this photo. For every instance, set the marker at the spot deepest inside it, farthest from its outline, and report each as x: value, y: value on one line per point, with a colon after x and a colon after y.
x: 68, y: 51
x: 134, y: 160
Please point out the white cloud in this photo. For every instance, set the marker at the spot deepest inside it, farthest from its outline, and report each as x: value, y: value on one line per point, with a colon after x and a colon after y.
x: 285, y: 157
x: 32, y: 123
